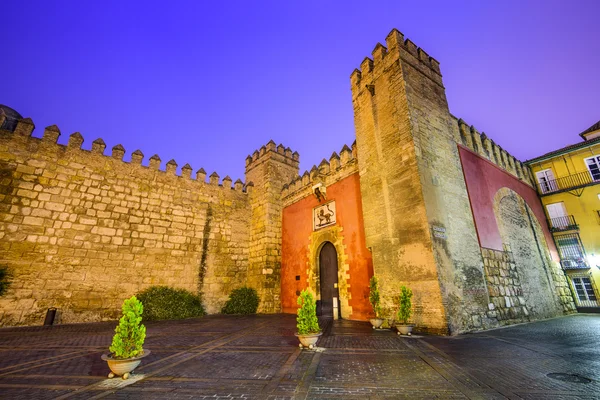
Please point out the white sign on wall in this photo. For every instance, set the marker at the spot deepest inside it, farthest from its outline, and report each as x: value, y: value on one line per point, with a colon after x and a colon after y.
x: 324, y: 215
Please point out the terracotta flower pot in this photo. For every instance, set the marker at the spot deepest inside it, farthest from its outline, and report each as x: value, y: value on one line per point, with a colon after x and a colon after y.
x: 376, y: 322
x: 123, y: 367
x: 309, y: 340
x: 404, y: 329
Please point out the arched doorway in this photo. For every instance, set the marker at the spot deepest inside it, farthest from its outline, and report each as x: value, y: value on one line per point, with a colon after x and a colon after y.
x: 328, y: 272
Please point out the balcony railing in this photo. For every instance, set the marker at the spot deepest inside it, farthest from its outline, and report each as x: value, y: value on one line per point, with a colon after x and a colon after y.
x: 566, y: 183
x: 565, y: 223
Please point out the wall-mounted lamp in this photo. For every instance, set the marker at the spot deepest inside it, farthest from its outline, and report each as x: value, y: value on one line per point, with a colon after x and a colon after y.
x: 320, y: 192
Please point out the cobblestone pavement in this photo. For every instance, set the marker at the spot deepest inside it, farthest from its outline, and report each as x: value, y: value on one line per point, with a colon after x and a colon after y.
x: 257, y: 357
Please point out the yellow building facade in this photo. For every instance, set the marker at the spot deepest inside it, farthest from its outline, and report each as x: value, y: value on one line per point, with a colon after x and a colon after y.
x: 568, y: 182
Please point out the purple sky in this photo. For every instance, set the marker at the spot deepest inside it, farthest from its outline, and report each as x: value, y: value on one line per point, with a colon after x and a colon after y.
x: 209, y: 82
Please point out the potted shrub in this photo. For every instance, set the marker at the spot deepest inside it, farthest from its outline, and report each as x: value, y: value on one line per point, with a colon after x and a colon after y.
x: 306, y: 321
x: 126, y: 348
x: 403, y: 300
x: 375, y: 301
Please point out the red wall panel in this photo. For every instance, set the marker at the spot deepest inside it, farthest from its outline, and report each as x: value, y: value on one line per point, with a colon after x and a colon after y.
x: 484, y: 179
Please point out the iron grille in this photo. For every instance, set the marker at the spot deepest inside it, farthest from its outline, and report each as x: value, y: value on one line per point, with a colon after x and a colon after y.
x: 572, y: 253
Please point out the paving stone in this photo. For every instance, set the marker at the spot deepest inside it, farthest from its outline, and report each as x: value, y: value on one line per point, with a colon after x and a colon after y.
x: 256, y: 357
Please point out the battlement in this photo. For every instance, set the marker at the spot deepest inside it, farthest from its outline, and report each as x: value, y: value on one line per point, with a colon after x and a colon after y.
x: 480, y: 143
x: 272, y: 151
x: 397, y: 47
x: 25, y: 128
x: 327, y: 172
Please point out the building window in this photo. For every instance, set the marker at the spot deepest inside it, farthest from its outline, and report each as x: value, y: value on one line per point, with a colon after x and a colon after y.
x: 593, y: 165
x: 571, y: 251
x: 559, y: 220
x: 585, y: 291
x: 546, y: 181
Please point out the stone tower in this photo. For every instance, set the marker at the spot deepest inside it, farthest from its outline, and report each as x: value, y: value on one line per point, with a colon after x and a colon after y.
x: 268, y: 169
x: 411, y: 178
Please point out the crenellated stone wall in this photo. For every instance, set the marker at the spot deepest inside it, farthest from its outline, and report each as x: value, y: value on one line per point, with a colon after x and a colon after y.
x: 81, y: 230
x: 481, y: 144
x: 327, y: 173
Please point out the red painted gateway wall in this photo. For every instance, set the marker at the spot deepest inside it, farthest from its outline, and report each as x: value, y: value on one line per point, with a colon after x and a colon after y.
x: 297, y: 229
x: 484, y: 179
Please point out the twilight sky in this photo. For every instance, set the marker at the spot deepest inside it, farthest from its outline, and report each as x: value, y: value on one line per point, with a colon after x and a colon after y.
x: 208, y: 82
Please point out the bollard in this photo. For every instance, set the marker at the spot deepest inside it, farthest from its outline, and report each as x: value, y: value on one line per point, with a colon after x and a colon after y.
x: 50, y: 314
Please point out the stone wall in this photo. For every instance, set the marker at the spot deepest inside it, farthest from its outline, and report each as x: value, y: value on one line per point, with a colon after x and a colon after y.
x: 82, y: 231
x: 544, y: 288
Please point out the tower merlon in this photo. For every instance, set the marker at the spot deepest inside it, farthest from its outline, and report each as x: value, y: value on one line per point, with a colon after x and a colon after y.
x: 118, y: 152
x: 98, y: 146
x: 411, y: 47
x: 379, y: 52
x: 25, y: 127
x: 75, y: 140
x: 345, y: 155
x: 201, y: 175
x: 51, y: 134
x: 366, y: 66
x: 355, y: 76
x: 186, y: 171
x: 238, y: 185
x: 324, y: 166
x: 227, y: 182
x: 154, y: 162
x: 213, y: 179
x: 171, y: 166
x: 137, y: 157
x: 394, y: 39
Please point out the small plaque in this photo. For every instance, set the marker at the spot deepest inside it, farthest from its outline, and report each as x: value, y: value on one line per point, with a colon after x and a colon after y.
x: 324, y: 215
x: 439, y: 232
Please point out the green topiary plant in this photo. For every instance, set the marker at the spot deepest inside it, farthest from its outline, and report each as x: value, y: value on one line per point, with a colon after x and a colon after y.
x: 5, y: 279
x: 130, y: 333
x: 404, y: 303
x: 306, y: 321
x: 243, y: 300
x: 374, y: 297
x: 163, y: 302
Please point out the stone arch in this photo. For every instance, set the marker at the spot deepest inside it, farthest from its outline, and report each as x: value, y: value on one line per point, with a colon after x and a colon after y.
x: 526, y: 248
x: 317, y: 241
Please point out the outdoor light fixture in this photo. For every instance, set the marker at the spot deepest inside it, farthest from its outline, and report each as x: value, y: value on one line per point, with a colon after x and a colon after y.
x: 320, y: 191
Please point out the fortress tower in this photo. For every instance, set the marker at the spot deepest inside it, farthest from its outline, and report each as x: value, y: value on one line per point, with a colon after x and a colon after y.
x: 411, y: 179
x: 268, y: 168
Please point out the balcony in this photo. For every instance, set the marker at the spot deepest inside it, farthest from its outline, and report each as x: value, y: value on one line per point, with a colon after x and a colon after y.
x: 566, y: 183
x: 560, y: 224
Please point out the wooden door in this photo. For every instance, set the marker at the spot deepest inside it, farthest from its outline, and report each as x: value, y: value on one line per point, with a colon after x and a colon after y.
x: 328, y: 269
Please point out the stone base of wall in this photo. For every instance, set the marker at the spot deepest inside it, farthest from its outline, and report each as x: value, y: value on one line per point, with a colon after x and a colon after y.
x: 504, y: 287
